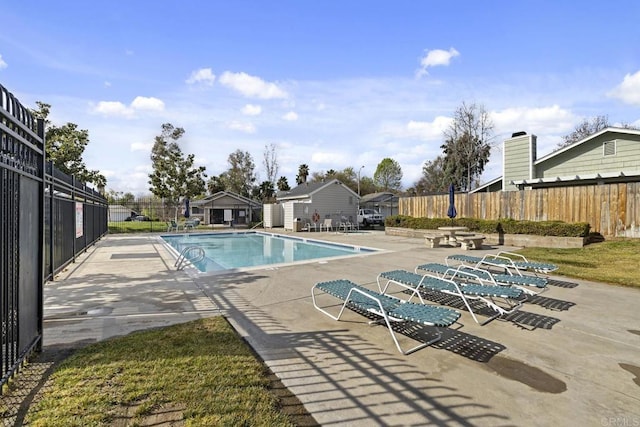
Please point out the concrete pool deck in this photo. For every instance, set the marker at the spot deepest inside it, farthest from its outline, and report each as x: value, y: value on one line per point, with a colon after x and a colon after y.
x: 569, y: 356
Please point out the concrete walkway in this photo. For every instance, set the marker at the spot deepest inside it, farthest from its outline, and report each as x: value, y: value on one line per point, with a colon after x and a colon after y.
x: 568, y: 357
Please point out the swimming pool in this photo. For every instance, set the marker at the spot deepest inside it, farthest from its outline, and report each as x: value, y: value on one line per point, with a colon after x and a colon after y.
x: 228, y: 251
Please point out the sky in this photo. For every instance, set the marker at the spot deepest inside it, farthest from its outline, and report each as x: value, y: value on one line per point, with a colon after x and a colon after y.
x: 331, y: 84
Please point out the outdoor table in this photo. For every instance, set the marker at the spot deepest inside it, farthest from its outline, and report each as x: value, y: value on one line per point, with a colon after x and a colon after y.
x: 451, y: 232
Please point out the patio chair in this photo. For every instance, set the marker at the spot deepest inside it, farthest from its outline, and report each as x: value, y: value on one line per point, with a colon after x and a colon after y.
x: 346, y: 224
x: 511, y: 262
x: 327, y: 224
x: 172, y: 226
x: 389, y: 309
x: 502, y: 300
x: 486, y: 277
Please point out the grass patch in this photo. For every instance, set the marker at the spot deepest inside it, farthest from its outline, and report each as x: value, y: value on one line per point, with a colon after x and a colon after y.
x: 612, y: 261
x: 137, y: 227
x: 200, y: 372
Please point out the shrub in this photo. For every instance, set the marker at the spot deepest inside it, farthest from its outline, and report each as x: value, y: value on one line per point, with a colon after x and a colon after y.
x: 506, y: 226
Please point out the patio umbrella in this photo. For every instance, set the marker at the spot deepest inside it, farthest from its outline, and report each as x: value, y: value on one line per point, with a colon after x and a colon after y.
x: 187, y: 214
x: 451, y: 212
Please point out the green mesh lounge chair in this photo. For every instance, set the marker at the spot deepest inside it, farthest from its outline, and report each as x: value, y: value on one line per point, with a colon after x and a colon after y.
x: 530, y: 285
x: 500, y: 299
x: 511, y: 262
x: 389, y: 309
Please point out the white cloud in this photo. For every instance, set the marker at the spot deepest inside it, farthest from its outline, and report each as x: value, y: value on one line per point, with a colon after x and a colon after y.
x: 203, y: 75
x: 418, y: 130
x: 332, y: 159
x: 428, y: 130
x: 141, y: 146
x: 251, y: 110
x: 434, y: 58
x: 147, y: 103
x: 117, y: 108
x: 2, y: 63
x: 113, y: 108
x: 245, y: 127
x: 107, y: 84
x: 251, y: 86
x: 549, y: 119
x: 291, y: 116
x: 629, y: 90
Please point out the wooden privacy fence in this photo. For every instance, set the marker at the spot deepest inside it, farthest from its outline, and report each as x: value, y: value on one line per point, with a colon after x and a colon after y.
x: 610, y: 209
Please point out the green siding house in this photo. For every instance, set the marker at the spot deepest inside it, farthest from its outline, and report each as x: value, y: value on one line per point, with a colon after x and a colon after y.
x: 611, y: 155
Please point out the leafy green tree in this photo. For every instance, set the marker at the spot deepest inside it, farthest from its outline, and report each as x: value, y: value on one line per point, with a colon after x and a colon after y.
x: 215, y: 184
x: 467, y: 147
x: 347, y: 176
x: 434, y: 179
x: 367, y: 185
x: 283, y: 184
x: 388, y: 175
x: 303, y: 173
x: 174, y: 176
x: 64, y: 146
x: 240, y: 177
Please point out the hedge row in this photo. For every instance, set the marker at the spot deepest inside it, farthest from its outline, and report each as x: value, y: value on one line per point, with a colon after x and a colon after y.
x: 506, y: 226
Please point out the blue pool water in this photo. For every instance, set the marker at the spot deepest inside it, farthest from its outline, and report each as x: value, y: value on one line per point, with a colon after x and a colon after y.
x: 226, y: 251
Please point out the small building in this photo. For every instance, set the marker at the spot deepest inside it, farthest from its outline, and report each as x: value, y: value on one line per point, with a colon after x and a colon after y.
x: 609, y: 156
x: 317, y: 201
x: 119, y: 213
x: 226, y: 208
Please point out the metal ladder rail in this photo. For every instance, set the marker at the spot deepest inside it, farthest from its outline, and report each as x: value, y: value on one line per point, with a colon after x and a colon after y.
x: 184, y: 257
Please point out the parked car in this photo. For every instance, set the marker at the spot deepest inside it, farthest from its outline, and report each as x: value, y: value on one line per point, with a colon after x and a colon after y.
x: 142, y: 218
x: 369, y: 217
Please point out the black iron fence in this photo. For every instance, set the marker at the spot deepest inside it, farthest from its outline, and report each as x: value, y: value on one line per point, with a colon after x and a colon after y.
x: 75, y: 218
x: 46, y: 220
x: 21, y: 232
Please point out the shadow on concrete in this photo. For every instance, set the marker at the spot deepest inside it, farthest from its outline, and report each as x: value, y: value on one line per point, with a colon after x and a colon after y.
x: 550, y: 303
x: 374, y: 385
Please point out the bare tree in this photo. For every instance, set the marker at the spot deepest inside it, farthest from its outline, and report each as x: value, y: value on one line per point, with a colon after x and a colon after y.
x: 584, y: 129
x: 467, y: 145
x: 270, y: 162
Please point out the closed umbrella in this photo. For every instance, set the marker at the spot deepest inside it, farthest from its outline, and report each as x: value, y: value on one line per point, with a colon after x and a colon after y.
x: 451, y: 212
x: 187, y: 212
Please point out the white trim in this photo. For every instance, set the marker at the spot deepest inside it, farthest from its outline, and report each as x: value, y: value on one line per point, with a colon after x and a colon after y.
x: 582, y: 177
x: 590, y: 137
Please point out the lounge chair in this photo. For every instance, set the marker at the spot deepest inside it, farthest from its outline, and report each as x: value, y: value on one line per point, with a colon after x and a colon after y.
x: 510, y: 298
x: 514, y: 263
x: 388, y: 308
x: 486, y: 277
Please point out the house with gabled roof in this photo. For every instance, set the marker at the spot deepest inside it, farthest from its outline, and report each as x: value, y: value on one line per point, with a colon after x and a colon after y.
x: 609, y: 156
x: 225, y: 207
x: 313, y: 202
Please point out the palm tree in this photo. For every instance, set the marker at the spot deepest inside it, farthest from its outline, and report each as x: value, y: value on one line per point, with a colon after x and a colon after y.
x: 303, y: 173
x: 283, y: 184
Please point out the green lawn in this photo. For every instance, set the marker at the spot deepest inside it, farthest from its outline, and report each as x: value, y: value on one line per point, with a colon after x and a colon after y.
x: 613, y: 261
x: 201, y: 372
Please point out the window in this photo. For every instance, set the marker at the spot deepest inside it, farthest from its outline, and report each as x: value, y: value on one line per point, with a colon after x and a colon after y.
x: 609, y: 148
